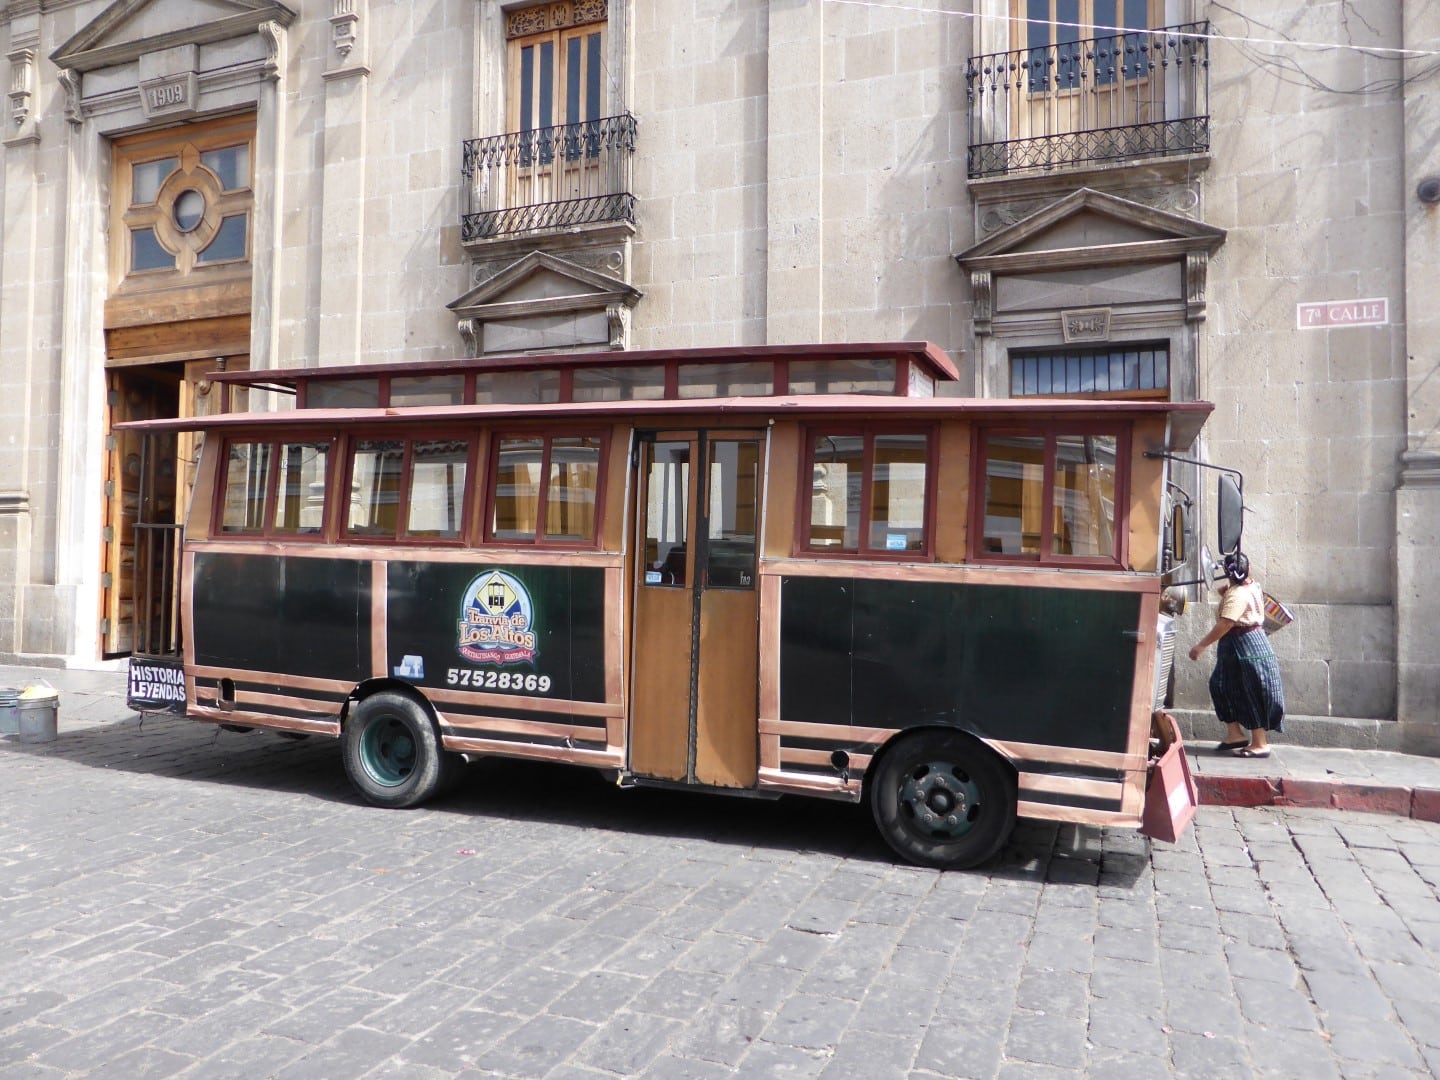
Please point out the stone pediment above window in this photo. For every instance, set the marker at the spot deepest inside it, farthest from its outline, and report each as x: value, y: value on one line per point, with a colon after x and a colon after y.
x: 130, y: 29
x: 1097, y: 249
x: 543, y: 302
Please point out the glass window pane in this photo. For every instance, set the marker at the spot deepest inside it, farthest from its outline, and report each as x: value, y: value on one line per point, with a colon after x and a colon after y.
x: 734, y: 510
x: 231, y: 164
x: 570, y: 494
x: 1014, y: 494
x: 300, y: 505
x: 229, y: 242
x: 667, y: 503
x: 835, y: 492
x: 897, y: 493
x: 1084, y: 495
x: 146, y: 178
x: 146, y: 252
x: 343, y: 394
x: 411, y: 390
x: 851, y: 375
x: 517, y: 388
x: 515, y: 514
x: 437, y: 488
x: 375, y: 469
x: 188, y: 210
x: 745, y: 379
x: 247, y: 477
x: 618, y: 384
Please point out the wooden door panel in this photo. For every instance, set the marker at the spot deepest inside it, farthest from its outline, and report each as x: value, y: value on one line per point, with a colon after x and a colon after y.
x: 726, y: 732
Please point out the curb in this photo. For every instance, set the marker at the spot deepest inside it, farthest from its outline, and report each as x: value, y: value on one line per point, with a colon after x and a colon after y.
x: 1422, y: 804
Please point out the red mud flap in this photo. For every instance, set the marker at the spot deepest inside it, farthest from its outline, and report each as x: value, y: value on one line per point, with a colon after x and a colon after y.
x: 1170, y: 793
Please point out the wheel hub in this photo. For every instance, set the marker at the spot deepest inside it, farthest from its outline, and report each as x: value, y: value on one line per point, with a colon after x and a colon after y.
x: 941, y: 800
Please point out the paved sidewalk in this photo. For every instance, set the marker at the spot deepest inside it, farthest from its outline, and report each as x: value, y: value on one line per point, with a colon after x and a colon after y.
x: 1360, y: 780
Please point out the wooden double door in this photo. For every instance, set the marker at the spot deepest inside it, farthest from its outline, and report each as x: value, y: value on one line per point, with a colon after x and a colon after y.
x: 694, y: 662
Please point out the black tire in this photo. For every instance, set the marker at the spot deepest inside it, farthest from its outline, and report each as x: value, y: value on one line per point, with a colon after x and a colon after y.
x: 943, y: 799
x: 392, y: 751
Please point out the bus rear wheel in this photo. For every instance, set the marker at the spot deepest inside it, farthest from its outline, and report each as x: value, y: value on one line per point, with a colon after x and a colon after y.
x: 392, y: 751
x: 943, y: 799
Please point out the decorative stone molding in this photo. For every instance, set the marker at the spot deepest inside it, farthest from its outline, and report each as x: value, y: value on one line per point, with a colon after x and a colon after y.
x: 1085, y: 324
x: 347, y: 27
x: 172, y: 97
x: 470, y: 335
x: 1045, y: 241
x: 1197, y: 265
x: 541, y: 300
x: 274, y: 36
x: 982, y: 303
x: 1420, y: 469
x: 70, y: 82
x: 618, y: 316
x: 344, y: 28
x: 22, y: 92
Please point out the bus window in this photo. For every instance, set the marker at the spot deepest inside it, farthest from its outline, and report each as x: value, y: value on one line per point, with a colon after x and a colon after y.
x: 667, y: 502
x: 437, y: 488
x: 415, y: 390
x: 853, y: 375
x: 897, y: 493
x: 517, y: 388
x: 618, y: 384
x: 733, y: 511
x: 247, y: 478
x: 559, y: 474
x: 1084, y: 495
x: 343, y: 394
x: 573, y: 476
x: 1014, y: 479
x: 869, y: 493
x: 835, y: 499
x: 375, y: 469
x: 1051, y: 495
x: 743, y: 379
x: 300, y: 505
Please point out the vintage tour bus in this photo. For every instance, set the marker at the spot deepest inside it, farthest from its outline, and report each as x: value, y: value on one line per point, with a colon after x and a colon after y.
x: 772, y: 570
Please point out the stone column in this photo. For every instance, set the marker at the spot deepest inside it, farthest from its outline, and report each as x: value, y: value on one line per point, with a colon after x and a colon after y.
x: 1417, y: 497
x: 795, y: 173
x: 342, y: 214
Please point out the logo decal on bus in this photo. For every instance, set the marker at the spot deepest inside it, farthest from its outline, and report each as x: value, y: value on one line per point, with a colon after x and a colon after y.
x: 497, y: 621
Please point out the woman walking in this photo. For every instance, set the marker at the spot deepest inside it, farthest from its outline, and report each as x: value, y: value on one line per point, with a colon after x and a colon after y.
x: 1245, y: 685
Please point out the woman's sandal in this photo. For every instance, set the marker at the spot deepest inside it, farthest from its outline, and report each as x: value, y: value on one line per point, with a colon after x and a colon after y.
x: 1227, y: 747
x: 1250, y: 752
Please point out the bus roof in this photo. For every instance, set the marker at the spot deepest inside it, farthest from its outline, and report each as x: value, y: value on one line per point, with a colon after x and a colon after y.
x: 929, y: 356
x: 1185, y: 417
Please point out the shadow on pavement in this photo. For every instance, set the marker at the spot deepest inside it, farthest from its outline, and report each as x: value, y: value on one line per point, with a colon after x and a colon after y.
x: 519, y: 790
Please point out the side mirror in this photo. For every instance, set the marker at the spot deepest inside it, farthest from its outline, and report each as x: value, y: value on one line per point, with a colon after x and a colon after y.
x: 1179, y: 534
x: 1231, y: 515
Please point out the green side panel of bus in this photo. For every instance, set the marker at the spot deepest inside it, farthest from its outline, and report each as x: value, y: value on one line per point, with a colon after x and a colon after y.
x: 283, y: 615
x: 555, y: 616
x: 1025, y: 664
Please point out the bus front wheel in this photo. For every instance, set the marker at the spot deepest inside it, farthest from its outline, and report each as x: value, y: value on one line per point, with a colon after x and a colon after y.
x: 392, y: 751
x: 943, y: 799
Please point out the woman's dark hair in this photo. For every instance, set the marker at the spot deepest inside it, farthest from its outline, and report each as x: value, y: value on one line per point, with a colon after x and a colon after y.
x: 1237, y: 567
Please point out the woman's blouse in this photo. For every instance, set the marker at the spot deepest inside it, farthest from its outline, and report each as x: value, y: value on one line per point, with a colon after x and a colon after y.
x: 1244, y: 605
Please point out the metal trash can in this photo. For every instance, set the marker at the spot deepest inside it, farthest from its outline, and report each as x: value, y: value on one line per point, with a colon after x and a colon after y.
x: 39, y: 710
x: 9, y: 710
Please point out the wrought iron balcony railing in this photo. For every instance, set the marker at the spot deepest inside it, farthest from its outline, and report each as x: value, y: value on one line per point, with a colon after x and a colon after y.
x: 548, y: 178
x: 1137, y: 94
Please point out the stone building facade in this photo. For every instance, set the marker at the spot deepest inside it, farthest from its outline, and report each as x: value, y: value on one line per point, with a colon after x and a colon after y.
x: 1250, y: 204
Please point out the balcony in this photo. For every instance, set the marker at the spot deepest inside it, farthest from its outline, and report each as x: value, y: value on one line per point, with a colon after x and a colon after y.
x: 1140, y: 95
x: 548, y: 179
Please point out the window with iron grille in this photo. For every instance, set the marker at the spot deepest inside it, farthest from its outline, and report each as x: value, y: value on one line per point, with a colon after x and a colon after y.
x: 1131, y: 371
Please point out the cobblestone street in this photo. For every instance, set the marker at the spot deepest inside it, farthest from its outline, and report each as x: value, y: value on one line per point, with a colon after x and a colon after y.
x: 177, y: 900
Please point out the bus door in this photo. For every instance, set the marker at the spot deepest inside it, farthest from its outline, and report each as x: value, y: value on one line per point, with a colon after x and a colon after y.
x: 694, y: 671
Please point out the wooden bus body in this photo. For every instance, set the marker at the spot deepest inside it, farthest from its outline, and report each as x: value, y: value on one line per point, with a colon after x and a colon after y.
x: 777, y: 571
